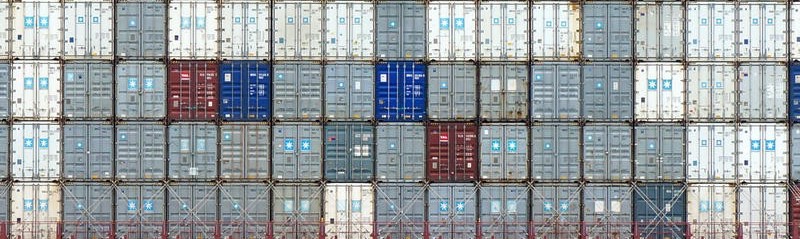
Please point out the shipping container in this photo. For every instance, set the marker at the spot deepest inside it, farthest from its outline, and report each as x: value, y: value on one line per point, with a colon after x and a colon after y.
x: 795, y: 157
x: 244, y: 210
x: 607, y: 211
x: 763, y: 154
x: 504, y: 92
x: 141, y: 90
x: 660, y: 211
x: 349, y: 91
x: 88, y: 29
x: 349, y: 30
x: 297, y: 211
x: 36, y: 151
x: 349, y: 154
x: 794, y: 95
x: 762, y: 92
x: 349, y: 210
x: 398, y: 34
x: 87, y: 210
x: 297, y: 30
x: 192, y: 210
x: 659, y: 31
x: 399, y: 156
x: 35, y: 210
x: 503, y: 30
x: 192, y: 151
x: 452, y: 95
x: 556, y: 211
x: 88, y: 90
x: 5, y: 88
x: 141, y: 152
x: 504, y: 211
x: 5, y: 195
x: 711, y: 31
x: 607, y: 153
x: 659, y: 154
x: 711, y: 153
x: 36, y: 90
x: 400, y: 211
x: 607, y: 92
x: 193, y: 29
x: 659, y: 92
x: 400, y: 89
x: 555, y: 91
x: 711, y: 92
x: 504, y: 152
x: 193, y: 90
x: 711, y: 210
x: 244, y: 151
x: 290, y: 162
x: 245, y: 90
x: 452, y: 154
x: 452, y: 211
x: 140, y: 211
x: 36, y: 29
x: 794, y: 209
x: 555, y: 152
x: 5, y: 30
x: 245, y: 27
x: 141, y: 32
x: 452, y: 32
x: 5, y: 137
x: 762, y: 31
x: 297, y: 91
x: 88, y: 153
x: 555, y: 30
x: 763, y: 211
x: 607, y: 32
x: 794, y: 35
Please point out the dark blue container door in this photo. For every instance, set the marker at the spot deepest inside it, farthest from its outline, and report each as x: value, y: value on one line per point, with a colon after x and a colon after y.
x: 245, y: 90
x: 401, y: 89
x: 660, y: 210
x: 794, y: 94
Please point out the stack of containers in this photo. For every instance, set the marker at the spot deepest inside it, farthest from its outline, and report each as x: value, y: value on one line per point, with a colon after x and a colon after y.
x: 794, y: 117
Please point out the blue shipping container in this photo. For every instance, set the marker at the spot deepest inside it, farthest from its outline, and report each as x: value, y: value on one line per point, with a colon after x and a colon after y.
x: 245, y: 90
x: 660, y: 210
x: 401, y: 90
x: 794, y: 92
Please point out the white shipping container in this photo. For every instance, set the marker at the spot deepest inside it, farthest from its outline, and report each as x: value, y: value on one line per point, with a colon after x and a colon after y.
x: 555, y: 30
x: 504, y: 31
x: 763, y: 152
x: 349, y: 210
x: 762, y: 91
x: 88, y: 30
x: 711, y: 153
x: 711, y: 31
x: 245, y: 29
x: 794, y: 31
x: 349, y: 30
x: 711, y: 210
x: 762, y: 31
x: 193, y: 29
x: 36, y: 29
x: 5, y: 30
x: 451, y: 30
x: 35, y: 210
x: 659, y: 30
x: 36, y: 89
x: 297, y: 32
x: 659, y: 91
x: 763, y: 211
x: 36, y: 152
x: 711, y: 93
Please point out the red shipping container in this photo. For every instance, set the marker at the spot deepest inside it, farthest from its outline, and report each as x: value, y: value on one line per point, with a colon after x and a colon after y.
x: 193, y: 90
x: 794, y: 210
x: 452, y: 152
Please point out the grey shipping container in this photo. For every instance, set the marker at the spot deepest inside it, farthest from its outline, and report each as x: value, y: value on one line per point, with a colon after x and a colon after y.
x: 349, y: 91
x: 399, y: 153
x: 607, y: 211
x: 88, y: 154
x: 451, y: 212
x: 5, y: 90
x: 88, y: 90
x: 297, y: 152
x: 607, y: 32
x: 795, y: 149
x: 504, y: 92
x: 555, y: 152
x: 192, y: 151
x: 243, y: 210
x: 244, y: 151
x: 297, y: 92
x: 659, y: 31
x: 660, y: 211
x: 192, y: 211
x: 140, y: 211
x: 607, y: 91
x: 607, y: 153
x: 141, y: 29
x: 504, y: 151
x: 762, y: 92
x: 451, y: 91
x: 141, y: 90
x: 349, y: 153
x: 555, y: 91
x: 659, y: 154
x: 400, y: 211
x: 556, y: 211
x: 5, y: 191
x: 87, y: 210
x: 296, y: 211
x: 141, y: 151
x: 710, y: 92
x: 398, y: 31
x: 4, y: 151
x: 504, y: 211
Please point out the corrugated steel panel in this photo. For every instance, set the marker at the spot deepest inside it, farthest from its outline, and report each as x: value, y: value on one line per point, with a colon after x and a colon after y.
x: 140, y: 211
x: 349, y: 91
x: 504, y: 30
x: 794, y: 209
x: 504, y: 211
x: 762, y: 31
x: 452, y: 32
x: 244, y: 151
x: 36, y: 28
x: 794, y: 33
x: 88, y: 90
x: 193, y: 29
x: 296, y: 211
x: 298, y: 91
x: 243, y: 210
x: 5, y: 90
x: 607, y: 91
x: 556, y: 211
x: 660, y: 210
x: 245, y: 28
x: 349, y: 152
x: 5, y: 29
x: 452, y: 93
x: 659, y: 31
x: 400, y: 211
x: 711, y: 153
x: 452, y: 152
x: 452, y: 211
x: 607, y: 32
x: 762, y: 92
x: 193, y: 90
x: 659, y: 153
x: 504, y: 152
x: 555, y: 30
x: 504, y: 92
x: 5, y: 195
x: 398, y: 33
x: 794, y: 95
x: 141, y: 151
x: 763, y: 211
x: 400, y: 91
x: 88, y: 30
x: 192, y: 211
x: 763, y: 154
x: 711, y: 92
x: 795, y: 157
x: 245, y: 90
x: 606, y: 210
x: 141, y: 90
x: 35, y: 210
x: 555, y: 152
x: 398, y: 152
x: 36, y: 152
x: 607, y: 153
x: 36, y: 90
x: 711, y: 210
x: 192, y: 151
x: 659, y: 91
x: 555, y: 91
x: 88, y: 151
x: 5, y: 136
x: 349, y: 210
x: 297, y: 152
x: 297, y: 32
x: 87, y: 210
x: 349, y: 30
x: 711, y: 31
x: 140, y: 29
